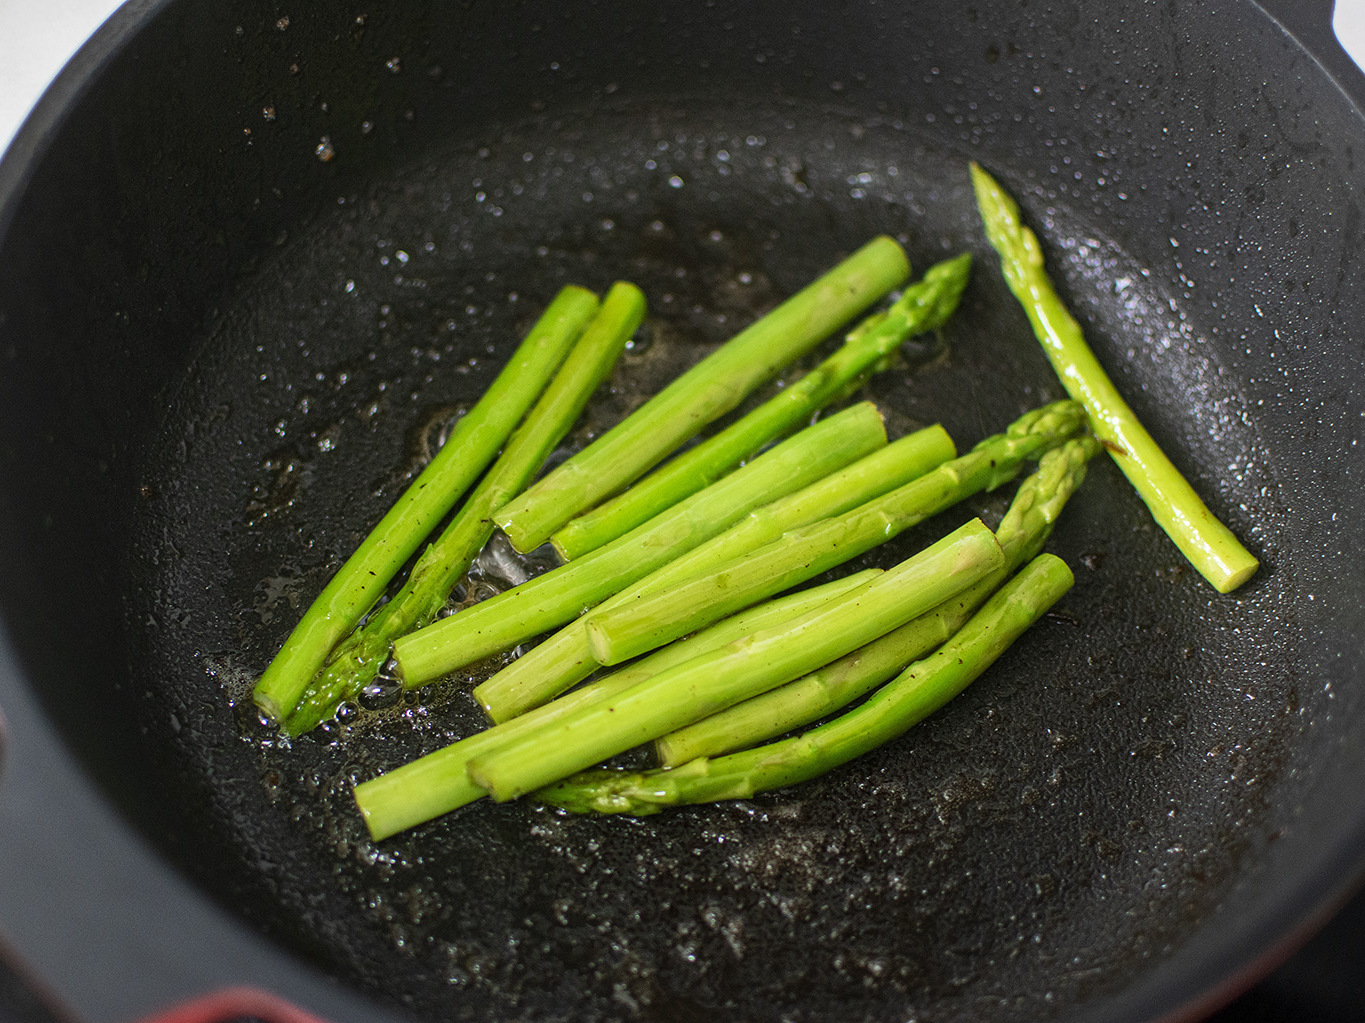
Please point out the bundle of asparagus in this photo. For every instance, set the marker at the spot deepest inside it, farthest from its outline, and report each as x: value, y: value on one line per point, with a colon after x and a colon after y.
x: 680, y: 573
x: 565, y: 357
x: 748, y: 677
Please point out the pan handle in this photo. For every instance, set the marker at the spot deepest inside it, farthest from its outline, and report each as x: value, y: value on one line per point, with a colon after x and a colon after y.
x: 1310, y: 23
x: 235, y: 1005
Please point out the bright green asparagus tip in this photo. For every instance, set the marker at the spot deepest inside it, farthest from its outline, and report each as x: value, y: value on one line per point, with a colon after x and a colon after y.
x: 1208, y: 544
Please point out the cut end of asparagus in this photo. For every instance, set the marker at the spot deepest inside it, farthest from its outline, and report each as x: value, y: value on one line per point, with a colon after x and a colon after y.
x: 667, y: 753
x: 1228, y: 570
x: 377, y: 828
x: 386, y: 815
x: 481, y: 778
x: 269, y: 707
x: 598, y: 642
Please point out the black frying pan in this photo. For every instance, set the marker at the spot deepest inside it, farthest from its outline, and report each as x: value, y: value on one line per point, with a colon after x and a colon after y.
x: 254, y: 258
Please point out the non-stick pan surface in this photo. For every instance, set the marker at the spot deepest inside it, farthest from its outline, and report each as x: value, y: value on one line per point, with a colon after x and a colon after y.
x: 272, y: 297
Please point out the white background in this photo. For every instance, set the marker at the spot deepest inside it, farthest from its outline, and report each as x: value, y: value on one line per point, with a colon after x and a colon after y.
x: 36, y: 39
x: 38, y: 36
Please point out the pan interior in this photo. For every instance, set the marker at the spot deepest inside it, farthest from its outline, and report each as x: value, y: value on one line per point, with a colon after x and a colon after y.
x: 1062, y: 826
x: 281, y: 273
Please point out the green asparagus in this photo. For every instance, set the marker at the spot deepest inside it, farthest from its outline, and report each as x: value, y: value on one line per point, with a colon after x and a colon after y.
x: 715, y: 680
x: 1208, y: 544
x: 708, y: 390
x: 438, y: 782
x: 464, y: 456
x: 625, y: 631
x: 924, y: 306
x: 559, y: 595
x: 359, y: 657
x: 920, y: 690
x: 1021, y: 535
x: 565, y: 658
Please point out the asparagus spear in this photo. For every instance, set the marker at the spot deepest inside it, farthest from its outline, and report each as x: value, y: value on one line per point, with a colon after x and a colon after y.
x: 626, y: 631
x: 559, y: 595
x: 565, y: 658
x: 438, y: 782
x: 924, y: 306
x: 471, y: 446
x: 1206, y: 542
x: 920, y: 690
x: 1021, y: 535
x: 709, y: 389
x: 715, y: 680
x: 359, y: 657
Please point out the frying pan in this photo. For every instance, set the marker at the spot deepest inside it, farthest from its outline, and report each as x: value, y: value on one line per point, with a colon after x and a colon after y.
x: 255, y: 258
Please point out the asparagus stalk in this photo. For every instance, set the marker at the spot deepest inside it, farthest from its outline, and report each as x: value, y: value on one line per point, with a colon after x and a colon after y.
x: 920, y: 690
x: 715, y: 680
x: 625, y: 631
x: 708, y: 390
x: 1208, y: 544
x: 924, y: 306
x: 1021, y: 535
x: 559, y: 595
x: 360, y: 656
x: 565, y: 658
x: 468, y: 451
x: 438, y: 783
